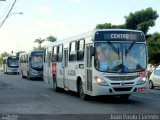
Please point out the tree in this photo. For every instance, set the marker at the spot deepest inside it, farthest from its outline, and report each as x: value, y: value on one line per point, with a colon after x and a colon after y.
x: 108, y: 26
x: 154, y: 48
x: 4, y: 54
x: 51, y: 39
x: 141, y: 20
x: 39, y: 41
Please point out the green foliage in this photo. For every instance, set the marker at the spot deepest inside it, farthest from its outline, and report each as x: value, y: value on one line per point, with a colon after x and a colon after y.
x: 37, y: 48
x: 39, y: 41
x: 108, y: 26
x: 51, y: 39
x: 141, y: 20
x: 154, y: 48
x: 2, y: 55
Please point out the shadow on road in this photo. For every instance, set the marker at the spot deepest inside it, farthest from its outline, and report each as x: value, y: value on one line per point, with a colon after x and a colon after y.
x: 99, y: 99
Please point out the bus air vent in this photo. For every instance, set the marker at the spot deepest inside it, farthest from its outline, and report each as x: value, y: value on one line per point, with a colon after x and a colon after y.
x: 122, y: 89
x: 121, y: 77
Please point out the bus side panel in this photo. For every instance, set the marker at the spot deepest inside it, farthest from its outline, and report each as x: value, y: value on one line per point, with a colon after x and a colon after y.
x: 72, y: 77
x: 45, y: 72
x: 80, y: 72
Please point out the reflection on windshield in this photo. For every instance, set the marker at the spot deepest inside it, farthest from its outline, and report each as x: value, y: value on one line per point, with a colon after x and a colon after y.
x: 13, y: 63
x: 37, y: 62
x: 120, y: 57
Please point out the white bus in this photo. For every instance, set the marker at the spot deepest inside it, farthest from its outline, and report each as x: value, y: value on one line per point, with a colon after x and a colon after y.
x: 100, y: 62
x: 31, y: 64
x: 10, y: 65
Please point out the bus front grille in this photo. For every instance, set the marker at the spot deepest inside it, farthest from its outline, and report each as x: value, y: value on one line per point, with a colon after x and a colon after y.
x: 121, y: 77
x: 127, y: 83
x: 122, y: 89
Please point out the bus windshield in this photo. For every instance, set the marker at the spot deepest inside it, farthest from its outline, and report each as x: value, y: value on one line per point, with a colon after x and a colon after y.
x: 13, y: 62
x: 120, y: 57
x: 37, y: 61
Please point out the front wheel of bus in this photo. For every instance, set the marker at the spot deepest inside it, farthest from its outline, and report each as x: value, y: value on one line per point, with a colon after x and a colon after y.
x: 82, y: 95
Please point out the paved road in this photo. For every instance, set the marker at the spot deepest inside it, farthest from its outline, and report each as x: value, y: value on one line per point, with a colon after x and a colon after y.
x: 22, y: 96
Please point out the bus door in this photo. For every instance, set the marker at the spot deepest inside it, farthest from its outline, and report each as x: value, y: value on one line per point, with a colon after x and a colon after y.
x: 50, y: 76
x: 47, y: 68
x: 65, y: 76
x: 88, y: 65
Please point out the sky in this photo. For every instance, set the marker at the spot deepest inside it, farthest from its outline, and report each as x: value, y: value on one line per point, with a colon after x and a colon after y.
x: 62, y: 19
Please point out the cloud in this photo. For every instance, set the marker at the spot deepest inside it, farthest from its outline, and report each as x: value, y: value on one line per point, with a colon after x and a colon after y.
x: 45, y: 9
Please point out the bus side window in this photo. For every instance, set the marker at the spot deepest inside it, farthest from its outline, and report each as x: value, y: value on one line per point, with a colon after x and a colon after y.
x: 72, y: 51
x: 80, y: 50
x: 60, y: 53
x: 54, y: 54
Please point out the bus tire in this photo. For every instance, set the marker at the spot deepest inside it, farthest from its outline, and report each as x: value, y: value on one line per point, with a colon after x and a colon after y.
x: 82, y: 95
x: 55, y: 87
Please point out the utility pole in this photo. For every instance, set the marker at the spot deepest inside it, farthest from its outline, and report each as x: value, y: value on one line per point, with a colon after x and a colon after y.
x: 8, y: 13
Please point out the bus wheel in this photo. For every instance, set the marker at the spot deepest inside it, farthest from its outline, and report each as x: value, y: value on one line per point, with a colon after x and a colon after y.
x: 55, y: 87
x: 82, y: 95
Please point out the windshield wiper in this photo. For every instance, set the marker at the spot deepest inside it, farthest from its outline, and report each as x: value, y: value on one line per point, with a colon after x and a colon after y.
x: 129, y: 48
x: 114, y: 48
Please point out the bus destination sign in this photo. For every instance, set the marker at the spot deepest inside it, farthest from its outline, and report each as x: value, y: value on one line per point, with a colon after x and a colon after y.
x: 37, y: 53
x: 119, y: 36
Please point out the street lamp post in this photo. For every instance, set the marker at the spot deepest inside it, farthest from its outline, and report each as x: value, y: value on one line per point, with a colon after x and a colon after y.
x: 20, y: 13
x: 1, y: 24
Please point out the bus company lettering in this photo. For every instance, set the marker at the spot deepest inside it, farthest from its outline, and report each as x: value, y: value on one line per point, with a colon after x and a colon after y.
x: 71, y: 72
x: 114, y: 36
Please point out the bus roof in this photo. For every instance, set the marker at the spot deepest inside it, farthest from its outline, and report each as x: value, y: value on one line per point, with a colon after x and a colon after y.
x: 29, y: 52
x: 84, y: 35
x: 10, y: 56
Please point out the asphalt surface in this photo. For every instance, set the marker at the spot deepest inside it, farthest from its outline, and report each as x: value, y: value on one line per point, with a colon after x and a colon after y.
x: 35, y: 98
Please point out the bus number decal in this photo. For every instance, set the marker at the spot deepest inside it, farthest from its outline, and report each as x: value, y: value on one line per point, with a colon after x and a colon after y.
x: 72, y: 73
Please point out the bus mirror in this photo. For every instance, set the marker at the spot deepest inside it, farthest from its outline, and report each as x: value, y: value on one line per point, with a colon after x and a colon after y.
x: 92, y: 51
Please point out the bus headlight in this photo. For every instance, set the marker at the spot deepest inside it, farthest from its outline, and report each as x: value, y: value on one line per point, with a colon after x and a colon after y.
x: 34, y: 72
x: 100, y: 81
x: 142, y: 81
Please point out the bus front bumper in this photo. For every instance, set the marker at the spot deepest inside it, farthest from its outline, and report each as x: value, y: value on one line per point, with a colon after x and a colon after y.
x: 118, y: 90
